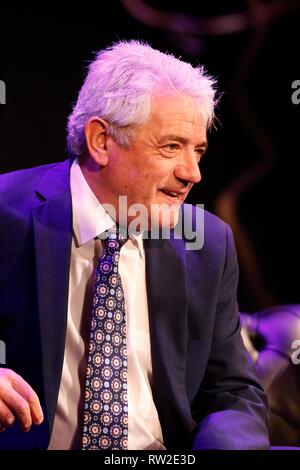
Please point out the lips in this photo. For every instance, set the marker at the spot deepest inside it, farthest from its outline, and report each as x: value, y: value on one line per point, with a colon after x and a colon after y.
x: 170, y: 193
x: 175, y: 196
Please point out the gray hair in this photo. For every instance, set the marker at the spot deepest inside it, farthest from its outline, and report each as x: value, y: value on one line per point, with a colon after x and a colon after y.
x: 120, y: 84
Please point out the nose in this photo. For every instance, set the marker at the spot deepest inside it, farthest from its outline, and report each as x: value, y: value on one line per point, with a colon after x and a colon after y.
x: 188, y: 171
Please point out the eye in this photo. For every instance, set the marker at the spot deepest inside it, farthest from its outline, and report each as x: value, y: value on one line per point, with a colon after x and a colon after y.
x: 199, y: 153
x: 171, y: 147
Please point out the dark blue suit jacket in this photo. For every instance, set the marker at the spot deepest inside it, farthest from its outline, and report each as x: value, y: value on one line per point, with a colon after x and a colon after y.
x: 205, y: 391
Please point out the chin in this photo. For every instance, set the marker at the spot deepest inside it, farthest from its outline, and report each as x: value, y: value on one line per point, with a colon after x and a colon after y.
x: 154, y: 218
x: 164, y: 217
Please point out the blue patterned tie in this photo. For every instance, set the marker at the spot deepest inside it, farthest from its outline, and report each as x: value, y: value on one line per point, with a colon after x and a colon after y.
x: 106, y: 406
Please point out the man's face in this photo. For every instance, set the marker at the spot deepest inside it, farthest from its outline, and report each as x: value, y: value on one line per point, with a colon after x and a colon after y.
x: 162, y: 164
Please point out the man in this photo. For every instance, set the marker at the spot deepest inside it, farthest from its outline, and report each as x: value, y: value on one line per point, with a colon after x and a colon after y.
x: 171, y: 370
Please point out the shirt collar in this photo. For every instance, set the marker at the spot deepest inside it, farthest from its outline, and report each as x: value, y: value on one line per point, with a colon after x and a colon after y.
x: 90, y: 219
x: 138, y: 241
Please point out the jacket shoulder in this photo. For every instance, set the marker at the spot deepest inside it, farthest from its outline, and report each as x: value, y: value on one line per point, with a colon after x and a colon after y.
x: 21, y: 180
x: 18, y: 188
x: 204, y: 223
x: 213, y: 240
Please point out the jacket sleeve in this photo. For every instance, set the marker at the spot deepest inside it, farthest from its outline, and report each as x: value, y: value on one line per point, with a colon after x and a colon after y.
x: 231, y: 407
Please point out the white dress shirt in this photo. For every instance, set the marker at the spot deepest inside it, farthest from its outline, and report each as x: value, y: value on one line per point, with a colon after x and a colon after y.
x: 90, y: 220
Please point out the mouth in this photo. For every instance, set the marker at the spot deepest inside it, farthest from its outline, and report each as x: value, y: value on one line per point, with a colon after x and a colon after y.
x: 174, y: 196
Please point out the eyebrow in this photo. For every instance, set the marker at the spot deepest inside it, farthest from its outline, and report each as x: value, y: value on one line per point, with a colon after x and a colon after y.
x: 183, y: 140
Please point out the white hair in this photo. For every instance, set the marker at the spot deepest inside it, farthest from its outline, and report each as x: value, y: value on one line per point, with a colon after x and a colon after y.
x: 120, y: 84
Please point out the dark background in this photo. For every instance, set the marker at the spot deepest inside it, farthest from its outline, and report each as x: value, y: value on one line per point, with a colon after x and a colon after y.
x: 251, y: 171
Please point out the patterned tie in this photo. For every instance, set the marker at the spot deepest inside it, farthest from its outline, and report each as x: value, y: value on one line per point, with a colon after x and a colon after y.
x: 106, y: 406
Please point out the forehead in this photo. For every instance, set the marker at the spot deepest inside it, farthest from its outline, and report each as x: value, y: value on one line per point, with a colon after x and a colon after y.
x: 174, y: 115
x: 176, y: 110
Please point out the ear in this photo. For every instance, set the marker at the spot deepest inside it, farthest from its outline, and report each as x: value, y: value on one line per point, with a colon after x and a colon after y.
x: 95, y: 135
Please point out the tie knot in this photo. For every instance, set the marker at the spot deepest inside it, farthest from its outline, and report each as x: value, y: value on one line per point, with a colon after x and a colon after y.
x: 115, y: 238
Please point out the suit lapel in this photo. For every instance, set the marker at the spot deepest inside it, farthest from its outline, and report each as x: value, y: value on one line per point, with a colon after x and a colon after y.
x: 52, y: 225
x: 167, y: 304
